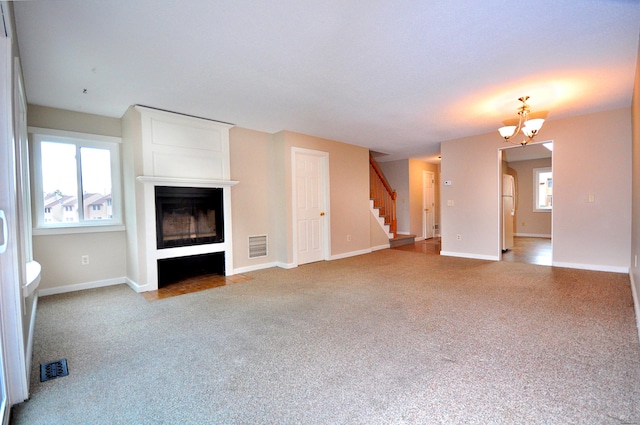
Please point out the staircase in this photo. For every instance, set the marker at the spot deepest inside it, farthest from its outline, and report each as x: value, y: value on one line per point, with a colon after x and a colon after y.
x: 383, y: 199
x: 402, y: 240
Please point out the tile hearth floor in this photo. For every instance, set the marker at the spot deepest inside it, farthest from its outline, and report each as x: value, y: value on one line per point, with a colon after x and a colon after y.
x: 194, y: 284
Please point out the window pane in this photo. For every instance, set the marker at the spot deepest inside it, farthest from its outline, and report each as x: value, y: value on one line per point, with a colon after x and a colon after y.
x: 59, y: 182
x: 545, y: 187
x: 96, y: 183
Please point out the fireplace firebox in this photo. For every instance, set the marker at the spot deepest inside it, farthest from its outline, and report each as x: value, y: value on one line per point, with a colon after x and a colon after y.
x: 188, y: 216
x: 178, y: 269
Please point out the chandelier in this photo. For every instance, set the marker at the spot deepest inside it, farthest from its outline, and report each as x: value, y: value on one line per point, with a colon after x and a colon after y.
x: 529, y: 127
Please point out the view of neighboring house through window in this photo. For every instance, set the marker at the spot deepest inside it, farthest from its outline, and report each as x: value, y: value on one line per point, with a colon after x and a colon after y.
x: 75, y: 180
x: 543, y: 189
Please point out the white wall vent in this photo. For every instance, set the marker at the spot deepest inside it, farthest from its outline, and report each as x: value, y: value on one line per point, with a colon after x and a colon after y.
x: 257, y: 246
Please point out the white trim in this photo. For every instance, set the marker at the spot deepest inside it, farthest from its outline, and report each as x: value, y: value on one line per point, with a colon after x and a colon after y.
x: 74, y: 135
x: 380, y: 247
x: 636, y: 302
x: 286, y: 265
x: 467, y: 255
x: 174, y: 181
x: 350, y: 254
x: 42, y: 231
x: 79, y: 141
x: 254, y: 268
x: 136, y: 287
x: 32, y: 328
x: 82, y: 286
x: 536, y: 188
x: 594, y: 267
x: 533, y: 235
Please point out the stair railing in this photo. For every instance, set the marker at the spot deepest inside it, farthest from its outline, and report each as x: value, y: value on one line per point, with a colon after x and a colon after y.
x: 384, y: 198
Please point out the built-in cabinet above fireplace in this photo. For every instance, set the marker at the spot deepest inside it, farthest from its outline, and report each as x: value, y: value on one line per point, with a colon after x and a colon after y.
x: 177, y: 194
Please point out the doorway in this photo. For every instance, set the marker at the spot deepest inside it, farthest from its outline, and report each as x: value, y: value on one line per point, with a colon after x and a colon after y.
x: 310, y: 201
x: 526, y: 204
x: 428, y: 204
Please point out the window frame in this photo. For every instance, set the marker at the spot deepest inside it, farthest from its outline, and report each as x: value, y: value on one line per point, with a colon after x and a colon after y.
x: 79, y: 140
x: 536, y: 191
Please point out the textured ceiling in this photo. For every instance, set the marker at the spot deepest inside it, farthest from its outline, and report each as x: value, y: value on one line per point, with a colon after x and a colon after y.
x: 398, y: 77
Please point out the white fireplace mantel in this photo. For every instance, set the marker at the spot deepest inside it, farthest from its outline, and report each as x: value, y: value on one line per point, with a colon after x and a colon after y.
x: 167, y: 149
x: 175, y: 181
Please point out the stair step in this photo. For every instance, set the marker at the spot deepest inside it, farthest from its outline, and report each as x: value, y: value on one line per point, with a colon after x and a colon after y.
x: 402, y: 240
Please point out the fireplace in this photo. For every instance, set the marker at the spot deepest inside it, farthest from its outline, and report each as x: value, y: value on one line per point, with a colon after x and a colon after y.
x: 178, y: 195
x: 187, y: 216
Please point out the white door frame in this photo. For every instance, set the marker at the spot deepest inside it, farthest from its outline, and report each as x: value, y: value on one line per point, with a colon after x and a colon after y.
x: 326, y: 239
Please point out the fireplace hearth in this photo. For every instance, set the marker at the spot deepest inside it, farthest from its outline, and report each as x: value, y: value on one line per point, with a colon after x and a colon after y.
x: 172, y: 270
x: 187, y: 216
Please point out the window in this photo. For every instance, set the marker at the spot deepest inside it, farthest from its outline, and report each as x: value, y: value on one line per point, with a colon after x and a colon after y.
x: 542, y: 189
x: 75, y: 175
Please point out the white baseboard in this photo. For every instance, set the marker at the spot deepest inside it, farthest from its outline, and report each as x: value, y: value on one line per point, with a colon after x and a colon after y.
x: 137, y: 287
x: 350, y: 254
x: 636, y: 302
x: 533, y: 235
x: 467, y: 255
x: 593, y: 267
x: 32, y: 329
x: 80, y: 286
x: 379, y: 247
x: 286, y: 265
x: 253, y: 268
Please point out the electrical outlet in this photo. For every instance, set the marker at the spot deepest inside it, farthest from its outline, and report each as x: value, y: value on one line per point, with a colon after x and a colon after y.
x: 635, y: 261
x: 85, y: 260
x: 523, y: 224
x: 459, y: 237
x: 348, y: 238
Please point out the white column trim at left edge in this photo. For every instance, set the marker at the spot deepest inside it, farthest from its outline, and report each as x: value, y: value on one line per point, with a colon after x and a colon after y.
x: 10, y: 288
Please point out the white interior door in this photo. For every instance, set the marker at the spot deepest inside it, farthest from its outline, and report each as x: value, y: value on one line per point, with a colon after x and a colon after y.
x: 310, y: 202
x: 428, y: 204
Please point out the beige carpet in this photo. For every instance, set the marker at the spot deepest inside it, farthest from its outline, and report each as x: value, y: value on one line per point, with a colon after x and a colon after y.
x: 391, y: 337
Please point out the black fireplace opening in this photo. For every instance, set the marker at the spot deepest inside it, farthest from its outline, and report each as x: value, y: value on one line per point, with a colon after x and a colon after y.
x: 172, y: 270
x: 188, y: 216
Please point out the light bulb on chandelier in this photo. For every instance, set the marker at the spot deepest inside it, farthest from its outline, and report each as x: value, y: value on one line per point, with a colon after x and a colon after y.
x: 529, y: 127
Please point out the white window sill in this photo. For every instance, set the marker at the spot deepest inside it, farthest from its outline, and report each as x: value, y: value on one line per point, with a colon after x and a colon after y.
x: 45, y: 231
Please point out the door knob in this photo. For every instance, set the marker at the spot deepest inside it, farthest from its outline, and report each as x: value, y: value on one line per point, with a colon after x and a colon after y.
x: 322, y: 214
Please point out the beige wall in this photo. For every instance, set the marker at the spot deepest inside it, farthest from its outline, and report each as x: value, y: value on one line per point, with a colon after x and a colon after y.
x: 349, y: 193
x: 591, y: 156
x: 254, y: 207
x: 528, y: 222
x: 261, y: 203
x: 59, y: 119
x: 405, y: 177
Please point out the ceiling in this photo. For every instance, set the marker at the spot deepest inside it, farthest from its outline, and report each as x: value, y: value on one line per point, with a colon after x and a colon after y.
x: 398, y: 77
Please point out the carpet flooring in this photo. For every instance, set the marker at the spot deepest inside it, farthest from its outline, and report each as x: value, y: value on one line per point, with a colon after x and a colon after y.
x: 390, y: 337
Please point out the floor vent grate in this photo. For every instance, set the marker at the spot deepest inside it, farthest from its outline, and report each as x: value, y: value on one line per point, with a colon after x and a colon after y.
x: 53, y: 370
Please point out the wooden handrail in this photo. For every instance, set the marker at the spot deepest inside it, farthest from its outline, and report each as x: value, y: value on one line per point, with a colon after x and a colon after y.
x: 384, y: 198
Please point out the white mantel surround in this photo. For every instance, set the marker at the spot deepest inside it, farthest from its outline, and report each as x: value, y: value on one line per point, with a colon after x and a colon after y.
x: 154, y: 254
x: 167, y: 149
